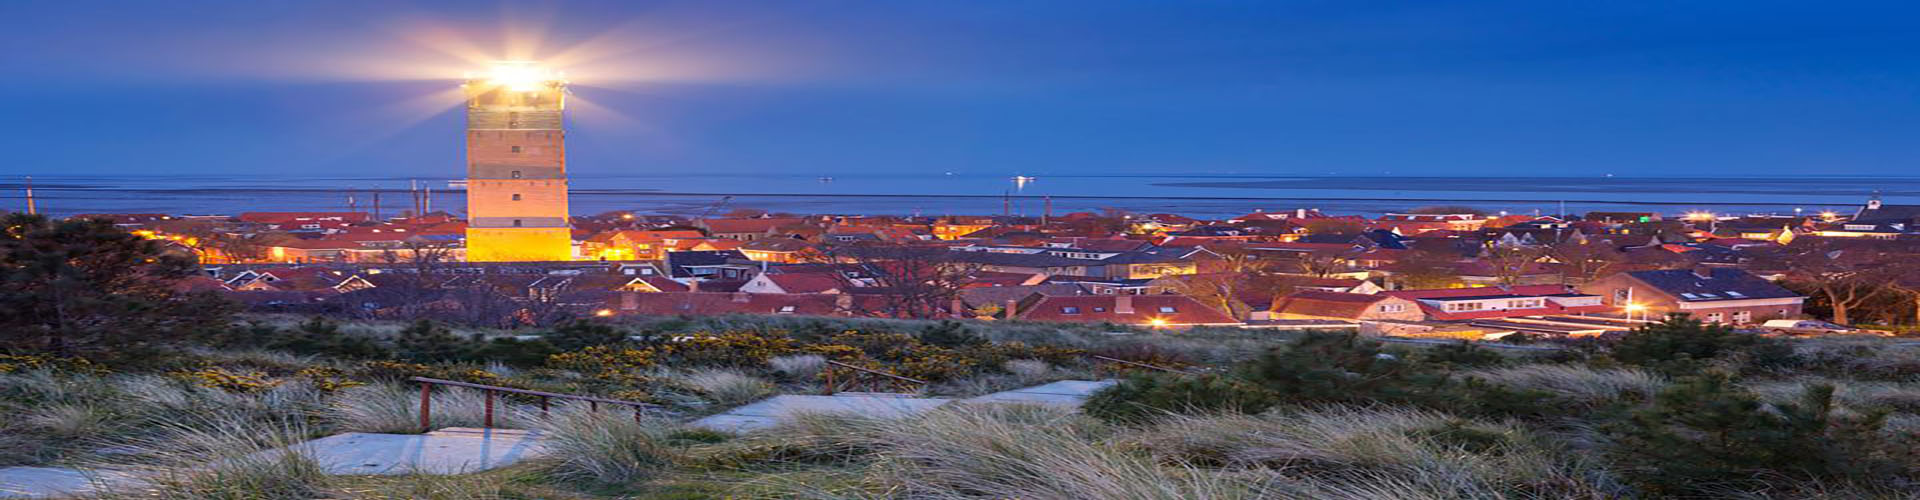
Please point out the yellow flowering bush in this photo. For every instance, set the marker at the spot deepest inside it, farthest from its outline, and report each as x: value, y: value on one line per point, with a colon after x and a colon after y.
x: 228, y: 380
x: 10, y: 363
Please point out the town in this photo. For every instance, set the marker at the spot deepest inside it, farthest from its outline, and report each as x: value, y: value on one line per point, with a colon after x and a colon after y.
x: 958, y: 250
x: 1443, y: 271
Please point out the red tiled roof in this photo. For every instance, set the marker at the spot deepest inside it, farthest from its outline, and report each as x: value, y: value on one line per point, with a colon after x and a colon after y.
x: 1427, y: 293
x: 805, y: 282
x: 1326, y: 304
x: 747, y: 225
x: 1175, y: 310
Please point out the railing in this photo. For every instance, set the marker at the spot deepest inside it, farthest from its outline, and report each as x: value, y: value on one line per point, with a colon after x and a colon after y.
x: 1098, y: 359
x: 426, y: 400
x: 832, y: 387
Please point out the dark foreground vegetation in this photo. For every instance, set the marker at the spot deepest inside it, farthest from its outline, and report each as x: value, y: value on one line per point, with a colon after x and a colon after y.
x: 101, y: 365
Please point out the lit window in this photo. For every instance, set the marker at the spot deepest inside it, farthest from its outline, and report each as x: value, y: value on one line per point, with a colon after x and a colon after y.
x: 516, y: 196
x: 786, y: 309
x: 1069, y: 310
x: 1166, y: 309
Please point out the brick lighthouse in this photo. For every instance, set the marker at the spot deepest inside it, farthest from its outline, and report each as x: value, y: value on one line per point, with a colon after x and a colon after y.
x: 517, y: 166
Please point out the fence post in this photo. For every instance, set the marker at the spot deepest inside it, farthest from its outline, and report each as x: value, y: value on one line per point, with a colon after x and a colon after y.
x: 543, y: 406
x: 426, y: 406
x: 489, y: 417
x: 828, y: 390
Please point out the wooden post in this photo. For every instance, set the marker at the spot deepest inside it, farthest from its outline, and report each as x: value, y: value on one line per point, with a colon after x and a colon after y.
x: 543, y: 406
x: 426, y: 406
x: 489, y: 417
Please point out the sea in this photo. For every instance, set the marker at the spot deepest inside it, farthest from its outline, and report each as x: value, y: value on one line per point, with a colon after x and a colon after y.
x: 944, y: 193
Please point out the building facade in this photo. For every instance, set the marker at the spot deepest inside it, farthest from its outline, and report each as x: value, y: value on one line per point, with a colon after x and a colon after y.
x: 516, y: 167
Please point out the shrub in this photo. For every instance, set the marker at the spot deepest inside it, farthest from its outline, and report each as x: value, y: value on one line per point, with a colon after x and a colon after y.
x: 321, y: 336
x: 1679, y: 344
x: 1146, y: 397
x: 950, y: 334
x: 581, y: 334
x: 1340, y: 367
x: 1704, y: 433
x: 1461, y: 354
x: 427, y: 342
x: 1589, y: 387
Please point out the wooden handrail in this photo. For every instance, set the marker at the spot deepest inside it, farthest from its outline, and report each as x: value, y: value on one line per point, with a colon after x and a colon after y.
x: 426, y: 399
x: 1139, y: 364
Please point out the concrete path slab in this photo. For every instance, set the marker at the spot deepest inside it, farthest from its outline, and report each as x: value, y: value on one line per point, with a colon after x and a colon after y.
x: 772, y: 411
x: 1064, y: 393
x: 445, y: 451
x: 56, y: 482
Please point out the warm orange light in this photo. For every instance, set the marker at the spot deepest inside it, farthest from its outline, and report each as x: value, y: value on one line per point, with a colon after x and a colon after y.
x: 1636, y: 308
x: 603, y: 313
x: 520, y: 76
x: 1157, y: 322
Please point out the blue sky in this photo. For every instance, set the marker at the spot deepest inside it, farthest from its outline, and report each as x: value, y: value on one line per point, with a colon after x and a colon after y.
x: 1702, y: 88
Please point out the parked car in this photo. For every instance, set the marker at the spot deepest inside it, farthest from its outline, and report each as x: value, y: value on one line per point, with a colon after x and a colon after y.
x: 1812, y: 327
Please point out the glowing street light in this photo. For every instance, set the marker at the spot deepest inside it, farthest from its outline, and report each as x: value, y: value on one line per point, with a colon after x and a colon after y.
x: 1157, y: 322
x: 1636, y: 308
x: 603, y: 313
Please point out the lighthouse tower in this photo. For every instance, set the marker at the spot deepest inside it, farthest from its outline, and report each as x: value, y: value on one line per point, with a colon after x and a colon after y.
x: 517, y: 166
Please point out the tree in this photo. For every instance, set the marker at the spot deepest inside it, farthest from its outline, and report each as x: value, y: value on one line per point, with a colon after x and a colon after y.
x: 1420, y: 269
x: 1584, y: 261
x: 73, y: 285
x: 915, y: 282
x: 1845, y: 278
x: 1510, y: 262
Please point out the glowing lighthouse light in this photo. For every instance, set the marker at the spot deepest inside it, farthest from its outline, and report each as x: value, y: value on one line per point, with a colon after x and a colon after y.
x: 520, y: 76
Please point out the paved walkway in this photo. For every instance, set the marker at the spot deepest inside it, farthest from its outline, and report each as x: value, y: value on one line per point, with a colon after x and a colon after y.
x: 772, y: 411
x: 1065, y: 393
x: 454, y: 450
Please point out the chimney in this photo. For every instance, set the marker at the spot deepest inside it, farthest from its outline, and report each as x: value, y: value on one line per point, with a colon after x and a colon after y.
x: 958, y: 308
x: 1123, y: 304
x: 1013, y: 308
x: 693, y: 285
x: 1299, y: 213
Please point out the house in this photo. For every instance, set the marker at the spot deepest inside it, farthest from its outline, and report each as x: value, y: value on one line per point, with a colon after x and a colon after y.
x: 791, y: 283
x: 620, y: 245
x: 296, y: 222
x: 779, y: 250
x: 1342, y: 285
x: 1714, y: 295
x: 721, y: 265
x: 297, y: 279
x: 1877, y: 220
x: 712, y: 303
x: 1315, y: 304
x: 747, y: 229
x: 1481, y: 303
x: 1137, y: 310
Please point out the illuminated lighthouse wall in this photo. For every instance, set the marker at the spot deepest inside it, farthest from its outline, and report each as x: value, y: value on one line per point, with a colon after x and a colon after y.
x: 517, y: 166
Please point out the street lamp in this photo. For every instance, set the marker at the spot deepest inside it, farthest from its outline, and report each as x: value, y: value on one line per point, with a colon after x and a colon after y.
x: 1636, y: 308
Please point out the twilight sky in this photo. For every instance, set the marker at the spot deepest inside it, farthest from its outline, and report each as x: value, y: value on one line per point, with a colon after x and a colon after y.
x: 1708, y: 88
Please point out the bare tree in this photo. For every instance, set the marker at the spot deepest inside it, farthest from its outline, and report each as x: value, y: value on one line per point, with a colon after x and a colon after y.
x: 1584, y: 261
x: 1510, y: 262
x: 904, y: 281
x: 1845, y: 277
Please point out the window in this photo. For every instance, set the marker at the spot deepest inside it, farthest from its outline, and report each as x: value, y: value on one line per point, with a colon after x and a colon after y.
x: 1715, y: 317
x: 516, y: 196
x: 1464, y: 306
x: 516, y: 174
x: 1743, y: 317
x: 516, y: 149
x: 1069, y: 310
x: 1392, y: 308
x: 1167, y: 309
x: 1099, y: 309
x: 1782, y: 313
x: 786, y: 309
x: 516, y: 223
